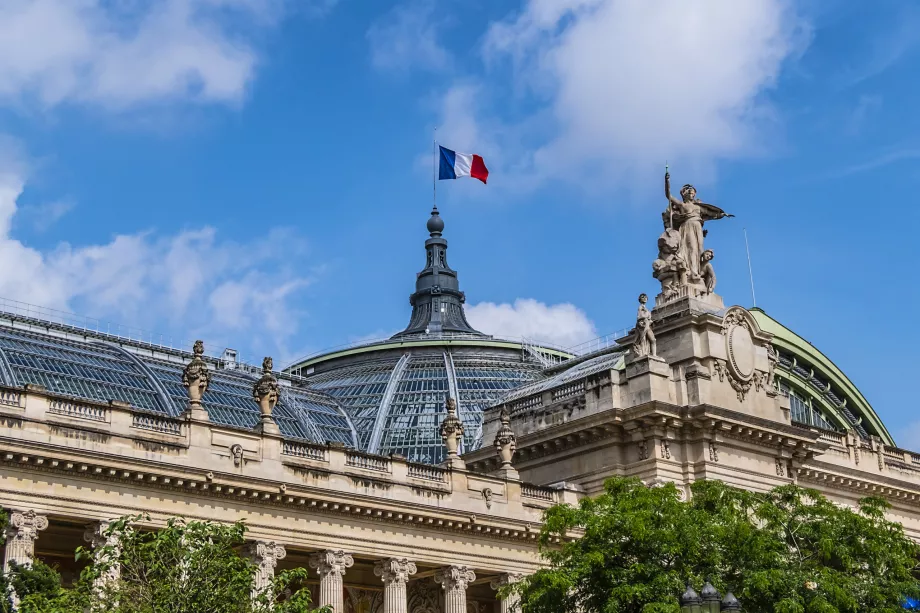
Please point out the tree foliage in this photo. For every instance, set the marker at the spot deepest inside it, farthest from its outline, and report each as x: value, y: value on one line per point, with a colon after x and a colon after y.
x: 789, y: 550
x: 186, y: 567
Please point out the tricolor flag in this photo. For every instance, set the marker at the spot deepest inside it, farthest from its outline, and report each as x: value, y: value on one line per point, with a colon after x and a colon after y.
x: 455, y: 165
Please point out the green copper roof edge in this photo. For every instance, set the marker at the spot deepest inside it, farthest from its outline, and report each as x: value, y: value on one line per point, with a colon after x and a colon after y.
x: 799, y: 345
x: 414, y: 343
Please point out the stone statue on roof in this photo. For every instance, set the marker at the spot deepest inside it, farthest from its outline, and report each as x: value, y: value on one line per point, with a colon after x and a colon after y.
x: 687, y: 216
x: 683, y: 261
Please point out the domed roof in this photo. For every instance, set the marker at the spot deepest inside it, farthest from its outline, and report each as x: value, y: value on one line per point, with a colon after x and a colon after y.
x: 395, y: 391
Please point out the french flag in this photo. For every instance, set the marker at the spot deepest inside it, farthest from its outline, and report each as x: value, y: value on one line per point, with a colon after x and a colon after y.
x: 455, y: 165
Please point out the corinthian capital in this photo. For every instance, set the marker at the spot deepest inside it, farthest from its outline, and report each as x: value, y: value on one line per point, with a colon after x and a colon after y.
x: 265, y: 553
x: 26, y: 525
x: 331, y: 562
x: 394, y: 569
x: 506, y: 579
x: 455, y: 577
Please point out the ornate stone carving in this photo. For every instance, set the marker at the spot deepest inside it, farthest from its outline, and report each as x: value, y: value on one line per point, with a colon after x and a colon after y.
x: 780, y: 469
x: 487, y: 496
x: 512, y: 602
x: 687, y: 216
x: 265, y: 555
x: 645, y: 344
x: 669, y: 267
x: 741, y: 352
x: 643, y: 450
x: 665, y: 449
x: 452, y: 433
x: 394, y: 573
x: 707, y: 272
x: 505, y: 441
x: 330, y: 566
x: 236, y: 452
x: 425, y: 597
x: 713, y: 452
x: 769, y: 377
x: 394, y: 570
x: 196, y: 376
x: 455, y: 580
x: 719, y: 367
x: 265, y: 392
x: 331, y: 562
x: 21, y: 533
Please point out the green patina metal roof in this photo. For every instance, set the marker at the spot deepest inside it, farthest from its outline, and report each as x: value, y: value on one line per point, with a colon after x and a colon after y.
x: 810, y: 359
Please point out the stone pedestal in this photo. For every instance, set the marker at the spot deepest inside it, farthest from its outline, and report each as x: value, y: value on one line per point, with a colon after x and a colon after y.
x: 455, y: 580
x: 647, y: 379
x: 507, y: 472
x: 265, y: 555
x: 330, y: 566
x: 395, y: 573
x: 512, y: 602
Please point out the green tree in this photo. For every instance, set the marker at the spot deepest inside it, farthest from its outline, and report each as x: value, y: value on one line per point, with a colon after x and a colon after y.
x: 186, y: 567
x: 790, y: 550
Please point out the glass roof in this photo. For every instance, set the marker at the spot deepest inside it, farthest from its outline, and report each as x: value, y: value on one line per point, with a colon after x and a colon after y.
x: 397, y: 402
x: 99, y: 371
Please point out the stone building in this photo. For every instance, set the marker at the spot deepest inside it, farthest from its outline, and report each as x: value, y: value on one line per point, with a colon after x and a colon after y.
x: 94, y: 427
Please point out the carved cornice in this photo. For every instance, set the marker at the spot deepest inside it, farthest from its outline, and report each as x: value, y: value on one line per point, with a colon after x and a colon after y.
x: 258, y: 491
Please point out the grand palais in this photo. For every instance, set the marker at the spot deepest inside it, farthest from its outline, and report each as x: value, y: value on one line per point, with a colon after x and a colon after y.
x: 410, y: 475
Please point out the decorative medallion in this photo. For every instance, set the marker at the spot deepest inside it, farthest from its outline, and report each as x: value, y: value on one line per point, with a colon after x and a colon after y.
x: 740, y: 349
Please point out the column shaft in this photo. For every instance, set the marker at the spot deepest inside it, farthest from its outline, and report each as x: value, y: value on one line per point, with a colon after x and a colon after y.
x: 512, y: 602
x: 454, y: 580
x: 330, y: 566
x: 394, y: 573
x: 265, y: 555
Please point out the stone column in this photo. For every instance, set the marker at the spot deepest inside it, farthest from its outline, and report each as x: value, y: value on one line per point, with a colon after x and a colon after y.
x: 265, y: 555
x: 395, y: 573
x: 330, y: 566
x: 512, y: 602
x: 21, y: 533
x: 106, y: 550
x: 20, y: 537
x: 454, y: 580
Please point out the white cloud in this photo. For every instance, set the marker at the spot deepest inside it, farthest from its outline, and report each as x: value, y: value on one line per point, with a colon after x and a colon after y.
x: 626, y: 85
x: 561, y: 325
x: 407, y: 37
x: 193, y: 281
x: 120, y: 54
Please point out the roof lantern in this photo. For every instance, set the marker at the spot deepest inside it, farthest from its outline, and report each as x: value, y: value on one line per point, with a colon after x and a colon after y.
x: 437, y: 303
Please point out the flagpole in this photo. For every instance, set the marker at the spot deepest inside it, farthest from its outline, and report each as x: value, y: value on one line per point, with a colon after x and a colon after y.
x: 434, y: 169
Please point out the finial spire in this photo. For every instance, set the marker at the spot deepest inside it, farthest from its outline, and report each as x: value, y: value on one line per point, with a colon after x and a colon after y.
x: 437, y: 304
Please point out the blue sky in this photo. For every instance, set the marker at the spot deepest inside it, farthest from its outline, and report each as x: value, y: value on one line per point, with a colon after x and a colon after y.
x: 257, y: 172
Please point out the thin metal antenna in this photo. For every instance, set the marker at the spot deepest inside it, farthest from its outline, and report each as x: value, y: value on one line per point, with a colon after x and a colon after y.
x: 750, y: 270
x: 434, y: 169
